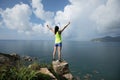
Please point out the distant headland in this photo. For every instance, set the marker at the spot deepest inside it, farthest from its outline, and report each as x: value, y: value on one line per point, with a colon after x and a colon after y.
x: 107, y: 39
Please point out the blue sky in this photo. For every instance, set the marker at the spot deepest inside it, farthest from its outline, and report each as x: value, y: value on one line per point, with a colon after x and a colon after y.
x: 27, y: 19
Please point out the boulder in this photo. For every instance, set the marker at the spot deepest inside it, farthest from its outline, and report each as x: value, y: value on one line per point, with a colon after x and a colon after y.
x: 87, y: 76
x: 62, y: 69
x: 46, y: 71
x: 34, y: 66
x: 4, y: 58
x: 16, y: 56
x: 68, y: 76
x: 96, y: 72
x: 8, y: 59
x: 27, y: 58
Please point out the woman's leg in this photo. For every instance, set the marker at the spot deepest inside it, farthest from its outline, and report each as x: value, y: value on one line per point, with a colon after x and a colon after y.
x: 59, y: 52
x: 54, y: 52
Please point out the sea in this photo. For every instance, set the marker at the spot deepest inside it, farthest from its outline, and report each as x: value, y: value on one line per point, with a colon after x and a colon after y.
x: 94, y: 60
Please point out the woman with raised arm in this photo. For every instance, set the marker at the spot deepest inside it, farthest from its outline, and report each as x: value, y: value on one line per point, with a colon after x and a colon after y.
x: 58, y: 40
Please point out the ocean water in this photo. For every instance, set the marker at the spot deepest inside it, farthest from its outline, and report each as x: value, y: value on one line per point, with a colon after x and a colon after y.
x: 100, y: 60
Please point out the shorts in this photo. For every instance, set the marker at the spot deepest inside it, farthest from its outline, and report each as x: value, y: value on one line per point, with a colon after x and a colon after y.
x: 58, y: 44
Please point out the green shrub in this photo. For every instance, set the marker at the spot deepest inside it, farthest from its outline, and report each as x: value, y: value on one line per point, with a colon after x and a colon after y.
x: 21, y: 73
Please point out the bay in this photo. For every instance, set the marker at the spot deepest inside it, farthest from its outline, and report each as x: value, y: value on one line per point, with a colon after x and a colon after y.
x: 98, y: 59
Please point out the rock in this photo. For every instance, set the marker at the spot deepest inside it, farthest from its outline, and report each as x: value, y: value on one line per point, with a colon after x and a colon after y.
x: 7, y: 59
x: 34, y: 66
x: 16, y: 56
x: 46, y: 71
x: 87, y: 76
x: 68, y: 76
x: 27, y: 58
x: 95, y: 72
x: 77, y: 78
x: 4, y: 59
x: 35, y: 58
x: 62, y: 69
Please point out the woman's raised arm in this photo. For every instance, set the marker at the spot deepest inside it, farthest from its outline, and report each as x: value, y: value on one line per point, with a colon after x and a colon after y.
x: 64, y: 27
x: 50, y: 28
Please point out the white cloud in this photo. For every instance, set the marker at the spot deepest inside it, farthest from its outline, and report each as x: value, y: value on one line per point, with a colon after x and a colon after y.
x: 107, y: 16
x: 71, y: 12
x: 78, y: 13
x: 17, y: 18
x: 38, y: 28
x: 39, y: 11
x: 1, y: 23
x: 47, y: 16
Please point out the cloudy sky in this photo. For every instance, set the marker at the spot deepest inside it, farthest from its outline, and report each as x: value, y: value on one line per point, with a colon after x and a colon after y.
x: 27, y: 19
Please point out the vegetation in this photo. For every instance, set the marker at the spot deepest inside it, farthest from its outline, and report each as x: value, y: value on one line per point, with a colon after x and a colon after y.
x: 21, y: 72
x: 16, y: 68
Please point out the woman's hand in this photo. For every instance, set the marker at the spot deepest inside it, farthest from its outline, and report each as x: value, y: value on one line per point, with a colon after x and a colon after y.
x: 50, y: 28
x: 47, y: 26
x: 68, y: 22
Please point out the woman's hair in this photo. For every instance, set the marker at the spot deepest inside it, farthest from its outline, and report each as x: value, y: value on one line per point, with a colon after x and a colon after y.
x: 56, y: 29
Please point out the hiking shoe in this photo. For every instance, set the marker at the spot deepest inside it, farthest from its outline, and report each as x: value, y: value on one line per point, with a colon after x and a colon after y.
x: 60, y: 60
x: 53, y: 59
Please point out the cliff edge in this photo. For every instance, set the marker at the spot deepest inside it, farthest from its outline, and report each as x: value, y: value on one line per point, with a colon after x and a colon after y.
x: 11, y: 64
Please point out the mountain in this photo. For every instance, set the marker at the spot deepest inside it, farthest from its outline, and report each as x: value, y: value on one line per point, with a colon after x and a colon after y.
x: 107, y: 39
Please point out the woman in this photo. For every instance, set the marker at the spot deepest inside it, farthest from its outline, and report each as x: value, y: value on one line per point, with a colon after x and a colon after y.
x: 58, y: 40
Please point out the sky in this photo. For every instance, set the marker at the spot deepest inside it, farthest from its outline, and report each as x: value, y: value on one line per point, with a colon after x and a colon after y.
x: 27, y: 19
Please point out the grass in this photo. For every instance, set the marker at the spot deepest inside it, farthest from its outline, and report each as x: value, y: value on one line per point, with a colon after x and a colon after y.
x: 22, y: 72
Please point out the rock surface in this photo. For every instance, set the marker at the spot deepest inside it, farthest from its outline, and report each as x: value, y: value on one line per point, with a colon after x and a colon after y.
x: 9, y: 59
x: 62, y: 68
x: 27, y: 58
x: 68, y: 76
x: 34, y: 66
x: 46, y: 71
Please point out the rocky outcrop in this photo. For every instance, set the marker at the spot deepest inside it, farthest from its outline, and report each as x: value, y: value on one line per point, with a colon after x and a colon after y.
x: 34, y: 66
x: 68, y: 76
x: 9, y: 59
x: 58, y: 70
x: 46, y: 71
x: 62, y: 69
x: 27, y: 58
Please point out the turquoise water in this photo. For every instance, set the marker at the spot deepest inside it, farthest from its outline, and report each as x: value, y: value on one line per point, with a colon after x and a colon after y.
x: 98, y: 59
